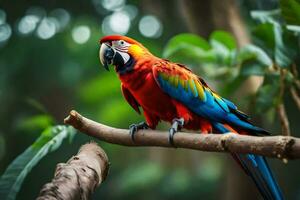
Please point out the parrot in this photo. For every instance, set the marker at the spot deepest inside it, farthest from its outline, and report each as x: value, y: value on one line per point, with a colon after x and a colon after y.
x: 171, y: 92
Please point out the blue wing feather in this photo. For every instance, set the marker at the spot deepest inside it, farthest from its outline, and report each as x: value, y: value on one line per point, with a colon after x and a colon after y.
x: 219, y: 111
x: 213, y: 108
x: 258, y: 169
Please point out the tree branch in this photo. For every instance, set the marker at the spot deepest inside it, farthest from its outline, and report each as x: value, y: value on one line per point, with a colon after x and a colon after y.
x: 296, y: 74
x: 285, y: 125
x: 271, y: 146
x: 79, y: 177
x: 295, y: 97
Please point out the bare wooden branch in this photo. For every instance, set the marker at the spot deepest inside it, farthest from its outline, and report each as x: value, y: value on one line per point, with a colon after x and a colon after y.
x: 271, y: 146
x: 79, y: 177
x: 285, y: 125
x: 296, y: 74
x: 295, y: 96
x: 294, y: 70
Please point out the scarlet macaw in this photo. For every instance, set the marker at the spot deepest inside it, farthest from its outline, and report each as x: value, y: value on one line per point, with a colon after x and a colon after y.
x: 171, y: 92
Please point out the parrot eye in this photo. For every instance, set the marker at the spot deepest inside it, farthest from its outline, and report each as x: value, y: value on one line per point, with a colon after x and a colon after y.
x: 122, y: 43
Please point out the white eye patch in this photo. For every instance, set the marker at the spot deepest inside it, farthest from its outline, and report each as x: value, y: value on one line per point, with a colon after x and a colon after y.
x: 120, y: 45
x: 125, y: 56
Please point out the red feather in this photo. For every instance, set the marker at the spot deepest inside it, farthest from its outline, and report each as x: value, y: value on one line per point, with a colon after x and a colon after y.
x: 130, y: 99
x: 119, y: 37
x: 157, y: 105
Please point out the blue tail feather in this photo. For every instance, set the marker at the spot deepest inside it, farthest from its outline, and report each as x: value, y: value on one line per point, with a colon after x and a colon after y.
x: 258, y: 169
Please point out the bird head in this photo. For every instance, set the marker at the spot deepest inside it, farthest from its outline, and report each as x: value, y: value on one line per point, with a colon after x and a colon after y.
x: 120, y: 51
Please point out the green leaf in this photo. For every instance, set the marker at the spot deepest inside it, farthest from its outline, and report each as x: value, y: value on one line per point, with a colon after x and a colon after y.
x: 252, y: 67
x: 185, y: 40
x: 291, y: 43
x: 293, y: 28
x: 224, y: 47
x: 290, y: 11
x: 254, y: 52
x: 224, y: 38
x: 14, y: 175
x: 264, y: 35
x: 190, y: 54
x: 278, y: 42
x: 254, y: 61
x: 283, y: 56
x: 221, y: 52
x: 267, y: 95
x: 265, y: 16
x: 192, y: 49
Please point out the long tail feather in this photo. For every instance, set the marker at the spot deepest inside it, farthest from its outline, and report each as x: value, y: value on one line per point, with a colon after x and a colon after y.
x: 258, y: 169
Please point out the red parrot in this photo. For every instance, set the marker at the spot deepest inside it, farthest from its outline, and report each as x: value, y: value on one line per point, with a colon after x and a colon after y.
x: 171, y: 92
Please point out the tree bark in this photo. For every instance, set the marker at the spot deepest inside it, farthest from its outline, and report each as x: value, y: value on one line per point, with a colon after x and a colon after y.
x: 79, y: 177
x: 282, y: 147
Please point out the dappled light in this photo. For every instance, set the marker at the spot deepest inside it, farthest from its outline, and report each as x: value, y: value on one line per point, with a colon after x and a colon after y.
x: 28, y: 24
x: 62, y: 18
x: 47, y: 28
x: 81, y: 34
x: 112, y: 5
x: 5, y: 29
x: 150, y: 26
x: 5, y: 32
x: 118, y: 22
x: 2, y: 16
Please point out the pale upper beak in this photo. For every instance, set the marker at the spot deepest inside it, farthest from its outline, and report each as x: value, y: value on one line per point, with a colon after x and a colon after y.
x: 106, y: 55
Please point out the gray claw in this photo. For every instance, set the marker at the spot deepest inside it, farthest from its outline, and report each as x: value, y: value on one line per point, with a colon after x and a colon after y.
x: 133, y: 128
x: 172, y: 132
x: 176, y: 125
x: 132, y: 131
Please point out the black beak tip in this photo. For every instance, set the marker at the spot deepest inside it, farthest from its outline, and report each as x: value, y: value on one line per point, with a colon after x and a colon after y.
x: 106, y: 66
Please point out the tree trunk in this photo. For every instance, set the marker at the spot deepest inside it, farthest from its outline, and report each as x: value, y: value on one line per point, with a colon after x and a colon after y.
x: 79, y: 177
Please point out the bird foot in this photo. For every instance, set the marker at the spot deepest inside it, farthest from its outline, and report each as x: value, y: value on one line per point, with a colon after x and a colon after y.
x: 177, y: 124
x: 133, y: 128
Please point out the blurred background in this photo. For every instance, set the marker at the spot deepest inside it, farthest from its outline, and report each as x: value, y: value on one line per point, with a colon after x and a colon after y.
x: 49, y: 65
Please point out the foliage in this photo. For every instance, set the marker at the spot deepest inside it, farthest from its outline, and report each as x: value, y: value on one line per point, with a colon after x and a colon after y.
x: 274, y: 54
x: 49, y: 141
x: 291, y: 11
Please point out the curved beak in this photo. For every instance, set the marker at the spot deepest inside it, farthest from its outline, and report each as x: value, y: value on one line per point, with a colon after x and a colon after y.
x: 106, y: 55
